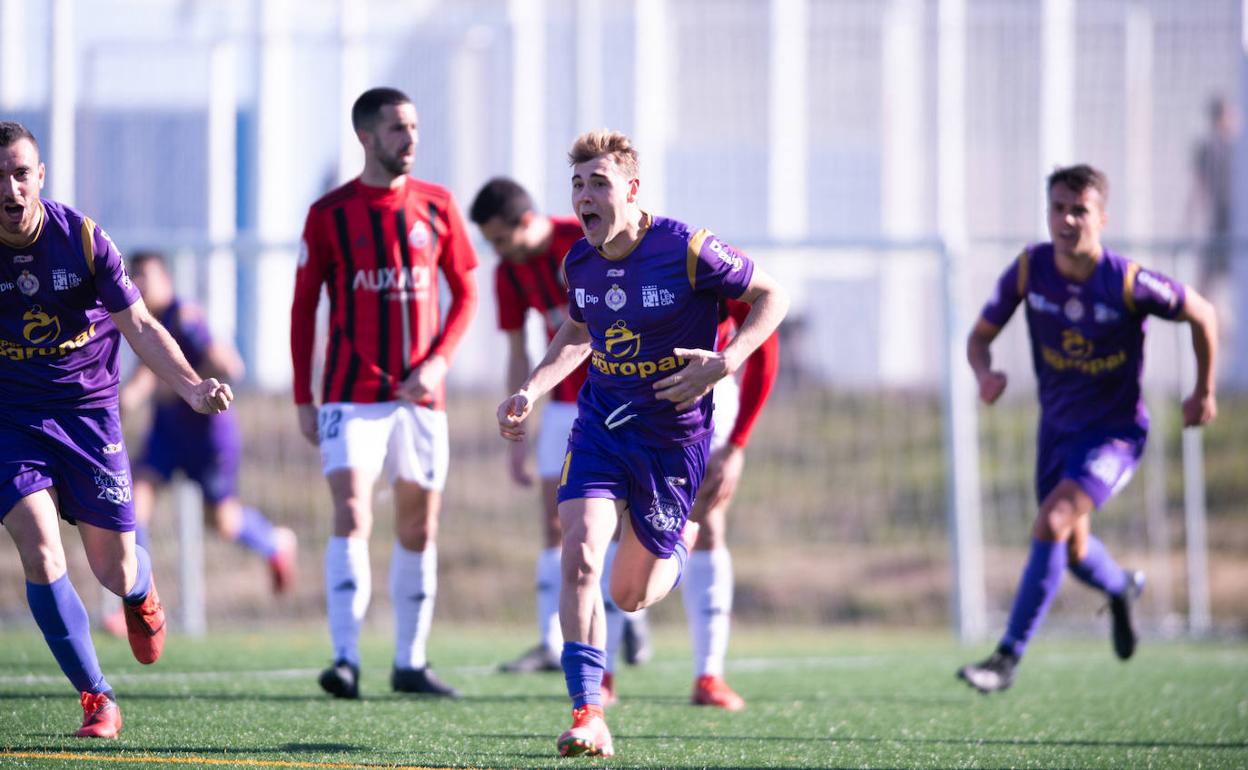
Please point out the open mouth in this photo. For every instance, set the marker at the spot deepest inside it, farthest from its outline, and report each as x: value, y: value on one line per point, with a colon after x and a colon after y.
x: 589, y: 220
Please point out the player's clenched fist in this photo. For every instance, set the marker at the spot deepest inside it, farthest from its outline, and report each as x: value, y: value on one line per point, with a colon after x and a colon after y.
x: 511, y: 413
x: 211, y: 397
x: 991, y: 386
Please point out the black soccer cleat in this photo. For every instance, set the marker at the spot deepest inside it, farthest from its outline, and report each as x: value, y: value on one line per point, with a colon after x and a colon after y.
x: 420, y: 681
x: 1124, y: 634
x: 341, y: 680
x: 534, y: 660
x: 991, y: 675
x: 637, y: 649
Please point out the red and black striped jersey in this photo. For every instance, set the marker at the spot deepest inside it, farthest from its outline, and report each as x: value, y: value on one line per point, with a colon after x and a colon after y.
x: 759, y: 371
x: 538, y: 284
x: 377, y: 251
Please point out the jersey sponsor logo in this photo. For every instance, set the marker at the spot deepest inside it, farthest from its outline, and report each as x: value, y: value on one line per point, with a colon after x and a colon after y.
x: 615, y: 272
x: 418, y: 236
x: 726, y: 254
x: 113, y: 486
x: 21, y: 259
x: 622, y: 343
x: 27, y: 284
x: 664, y: 515
x: 1076, y: 354
x: 43, y: 328
x: 404, y: 279
x: 1041, y: 303
x: 1159, y: 287
x: 615, y: 297
x: 63, y: 280
x: 15, y: 352
x: 654, y: 296
x: 584, y: 298
x: 1104, y: 314
x: 1073, y: 309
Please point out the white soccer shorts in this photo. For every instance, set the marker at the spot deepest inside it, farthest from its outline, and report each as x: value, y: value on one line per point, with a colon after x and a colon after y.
x: 727, y: 395
x: 552, y: 437
x: 407, y: 441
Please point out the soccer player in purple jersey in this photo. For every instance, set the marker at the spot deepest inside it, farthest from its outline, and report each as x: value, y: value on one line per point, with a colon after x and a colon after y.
x: 1086, y: 312
x: 645, y: 307
x: 207, y: 448
x: 66, y: 296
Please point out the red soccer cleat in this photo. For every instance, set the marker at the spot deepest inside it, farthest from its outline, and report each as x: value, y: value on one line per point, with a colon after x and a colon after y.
x: 145, y: 625
x: 711, y: 690
x: 588, y: 736
x: 100, y: 716
x: 282, y: 562
x: 608, y: 689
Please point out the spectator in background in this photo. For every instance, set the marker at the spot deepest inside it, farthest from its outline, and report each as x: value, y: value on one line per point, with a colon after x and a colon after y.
x: 1211, y: 200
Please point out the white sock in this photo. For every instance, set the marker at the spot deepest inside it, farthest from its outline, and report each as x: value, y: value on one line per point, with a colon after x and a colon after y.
x: 548, y: 579
x: 615, y: 616
x: 348, y: 588
x: 708, y: 588
x: 413, y: 589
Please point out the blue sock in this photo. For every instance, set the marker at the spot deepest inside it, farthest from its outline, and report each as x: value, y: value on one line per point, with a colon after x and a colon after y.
x: 1099, y: 570
x: 681, y: 554
x: 141, y: 536
x: 583, y: 665
x: 62, y: 618
x: 1042, y: 577
x: 256, y: 533
x: 143, y: 580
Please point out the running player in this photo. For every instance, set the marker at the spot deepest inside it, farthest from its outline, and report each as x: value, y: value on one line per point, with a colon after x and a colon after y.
x: 67, y: 295
x: 646, y: 295
x: 1086, y: 311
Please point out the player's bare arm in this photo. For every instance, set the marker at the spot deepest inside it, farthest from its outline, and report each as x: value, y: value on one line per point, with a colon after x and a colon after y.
x: 769, y: 302
x: 518, y: 366
x: 1201, y: 406
x: 568, y: 348
x: 157, y: 349
x: 979, y: 354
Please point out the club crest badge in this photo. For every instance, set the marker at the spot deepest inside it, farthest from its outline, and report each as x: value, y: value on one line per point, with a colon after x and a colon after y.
x: 1073, y: 309
x: 418, y: 236
x: 27, y: 284
x: 616, y: 297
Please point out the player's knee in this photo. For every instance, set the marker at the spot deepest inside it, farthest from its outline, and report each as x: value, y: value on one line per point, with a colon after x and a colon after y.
x: 43, y: 565
x: 1056, y: 521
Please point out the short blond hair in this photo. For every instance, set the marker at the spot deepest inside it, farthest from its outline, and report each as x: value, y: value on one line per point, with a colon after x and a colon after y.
x: 595, y: 144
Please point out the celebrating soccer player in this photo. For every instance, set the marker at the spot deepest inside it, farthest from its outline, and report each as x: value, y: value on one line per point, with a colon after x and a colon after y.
x: 207, y: 448
x: 1086, y: 312
x: 646, y: 293
x: 61, y: 447
x: 378, y: 242
x: 529, y: 276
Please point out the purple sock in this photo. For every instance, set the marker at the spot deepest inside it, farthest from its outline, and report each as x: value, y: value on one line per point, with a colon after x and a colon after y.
x: 1041, y: 579
x: 62, y: 618
x: 681, y: 554
x: 256, y: 533
x: 143, y: 580
x: 141, y: 536
x: 1099, y: 570
x: 583, y: 665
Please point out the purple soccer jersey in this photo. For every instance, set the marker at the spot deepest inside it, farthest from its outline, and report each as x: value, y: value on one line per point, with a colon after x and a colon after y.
x: 1087, y: 339
x: 58, y: 370
x: 626, y: 444
x: 207, y: 447
x: 58, y: 345
x: 663, y: 295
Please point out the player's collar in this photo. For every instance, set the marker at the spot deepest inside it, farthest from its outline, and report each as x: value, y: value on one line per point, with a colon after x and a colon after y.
x: 646, y: 221
x: 16, y: 241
